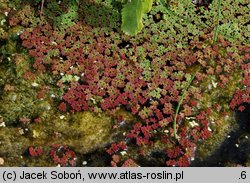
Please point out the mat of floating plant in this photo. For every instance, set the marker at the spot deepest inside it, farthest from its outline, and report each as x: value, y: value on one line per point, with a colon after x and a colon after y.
x: 74, y: 88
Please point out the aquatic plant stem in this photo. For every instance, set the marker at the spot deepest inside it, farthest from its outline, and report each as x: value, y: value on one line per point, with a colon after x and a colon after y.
x: 42, y: 5
x: 218, y: 19
x: 179, y: 104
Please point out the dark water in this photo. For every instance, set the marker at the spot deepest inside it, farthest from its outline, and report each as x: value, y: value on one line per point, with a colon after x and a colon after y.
x: 234, y: 150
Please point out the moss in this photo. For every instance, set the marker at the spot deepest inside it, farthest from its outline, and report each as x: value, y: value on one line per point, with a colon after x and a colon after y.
x: 222, y: 120
x: 84, y: 132
x: 12, y: 146
x: 93, y: 131
x: 22, y: 101
x: 4, y: 4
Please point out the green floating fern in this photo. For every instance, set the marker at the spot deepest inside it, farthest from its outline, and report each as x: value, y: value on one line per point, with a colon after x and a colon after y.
x: 132, y: 14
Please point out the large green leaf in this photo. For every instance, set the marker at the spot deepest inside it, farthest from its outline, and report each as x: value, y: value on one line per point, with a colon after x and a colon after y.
x: 132, y: 14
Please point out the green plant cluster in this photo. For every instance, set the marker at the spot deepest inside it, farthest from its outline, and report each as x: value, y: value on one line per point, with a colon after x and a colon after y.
x: 63, y: 19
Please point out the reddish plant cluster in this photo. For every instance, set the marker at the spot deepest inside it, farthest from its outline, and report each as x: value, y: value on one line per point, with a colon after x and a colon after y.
x: 130, y: 163
x: 42, y: 92
x: 242, y: 96
x: 150, y: 87
x: 25, y: 120
x: 35, y: 151
x: 24, y: 17
x: 138, y: 75
x: 60, y: 154
x: 229, y: 58
x: 115, y: 147
x: 116, y: 160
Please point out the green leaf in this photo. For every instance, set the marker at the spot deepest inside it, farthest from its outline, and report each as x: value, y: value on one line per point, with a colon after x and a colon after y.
x: 132, y: 14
